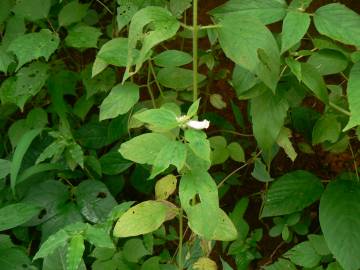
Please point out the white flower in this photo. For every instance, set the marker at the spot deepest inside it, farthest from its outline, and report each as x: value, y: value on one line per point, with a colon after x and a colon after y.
x: 198, y: 124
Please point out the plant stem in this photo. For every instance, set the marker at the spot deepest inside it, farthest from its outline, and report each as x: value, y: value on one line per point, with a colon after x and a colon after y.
x: 195, y: 50
x: 339, y: 109
x: 155, y: 78
x: 148, y: 86
x: 181, y: 229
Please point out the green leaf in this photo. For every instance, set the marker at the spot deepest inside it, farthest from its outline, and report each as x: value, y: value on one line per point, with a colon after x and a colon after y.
x: 98, y: 236
x: 281, y: 264
x: 303, y: 254
x: 335, y: 20
x: 327, y: 128
x: 165, y: 187
x: 33, y: 46
x: 5, y: 60
x: 340, y: 222
x: 284, y: 142
x: 199, y: 198
x: 172, y: 58
x: 164, y: 26
x: 258, y: 53
x: 5, y: 10
x: 319, y: 244
x: 236, y: 152
x: 72, y: 12
x: 204, y: 263
x: 354, y: 97
x: 16, y: 214
x: 290, y: 193
x: 75, y: 155
x: 260, y: 172
x: 37, y: 118
x: 268, y: 11
x: 140, y: 219
x: 32, y: 10
x: 198, y: 143
x: 56, y: 240
x: 134, y: 250
x: 162, y: 119
x: 75, y: 252
x: 244, y: 81
x: 225, y: 230
x: 119, y: 101
x: 300, y: 4
x: 94, y: 200
x: 178, y: 7
x: 5, y: 167
x: 57, y: 260
x: 173, y: 153
x: 295, y: 26
x: 217, y: 101
x: 177, y: 78
x: 14, y: 259
x: 113, y: 163
x: 19, y: 154
x: 193, y: 109
x: 83, y: 36
x: 314, y: 81
x: 102, y: 82
x: 328, y: 61
x: 126, y: 10
x: 143, y: 149
x: 268, y: 112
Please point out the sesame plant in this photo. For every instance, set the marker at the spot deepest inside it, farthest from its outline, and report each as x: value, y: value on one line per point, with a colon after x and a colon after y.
x: 135, y: 136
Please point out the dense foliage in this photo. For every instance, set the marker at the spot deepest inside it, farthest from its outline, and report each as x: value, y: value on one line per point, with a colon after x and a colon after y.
x: 128, y: 130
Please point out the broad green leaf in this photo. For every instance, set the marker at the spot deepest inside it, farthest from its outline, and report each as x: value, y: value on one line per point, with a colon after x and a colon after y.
x: 5, y: 60
x: 340, y: 222
x: 16, y: 214
x: 115, y: 52
x: 29, y: 81
x: 33, y: 46
x: 172, y: 58
x: 16, y: 131
x: 314, y: 81
x: 353, y: 96
x: 198, y: 143
x: 328, y: 61
x: 153, y: 264
x: 72, y: 12
x: 74, y: 155
x: 99, y: 237
x: 268, y: 11
x: 177, y: 78
x: 15, y: 27
x: 5, y: 166
x: 335, y: 20
x: 205, y: 263
x: 225, y: 230
x: 295, y: 26
x: 54, y: 150
x: 57, y: 260
x: 257, y: 53
x: 83, y: 106
x: 290, y: 193
x: 94, y: 200
x: 19, y: 154
x: 164, y: 26
x: 319, y: 244
x: 126, y: 10
x: 217, y: 101
x: 165, y: 187
x: 193, y: 109
x: 178, y: 7
x: 83, y: 36
x: 236, y: 152
x: 284, y: 142
x: 173, y: 153
x: 120, y: 100
x: 303, y: 254
x: 140, y: 219
x: 199, y: 198
x: 134, y: 250
x: 102, y: 82
x: 281, y: 264
x: 161, y: 119
x: 295, y: 67
x: 5, y: 10
x: 32, y: 10
x: 75, y: 252
x: 50, y: 196
x: 37, y: 118
x: 243, y: 81
x: 301, y: 5
x: 260, y: 172
x: 14, y: 259
x: 143, y: 149
x: 327, y: 128
x: 268, y: 112
x: 112, y: 163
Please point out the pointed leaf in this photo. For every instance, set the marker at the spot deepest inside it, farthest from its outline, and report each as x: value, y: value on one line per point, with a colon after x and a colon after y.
x: 56, y: 240
x: 75, y: 252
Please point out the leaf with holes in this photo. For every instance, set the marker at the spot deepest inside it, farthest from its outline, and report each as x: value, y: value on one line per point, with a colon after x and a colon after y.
x: 164, y: 26
x: 33, y: 46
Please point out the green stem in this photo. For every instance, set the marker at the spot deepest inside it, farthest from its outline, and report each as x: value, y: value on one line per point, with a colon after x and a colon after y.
x: 148, y: 86
x: 339, y: 109
x: 155, y: 78
x: 181, y: 229
x: 195, y: 50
